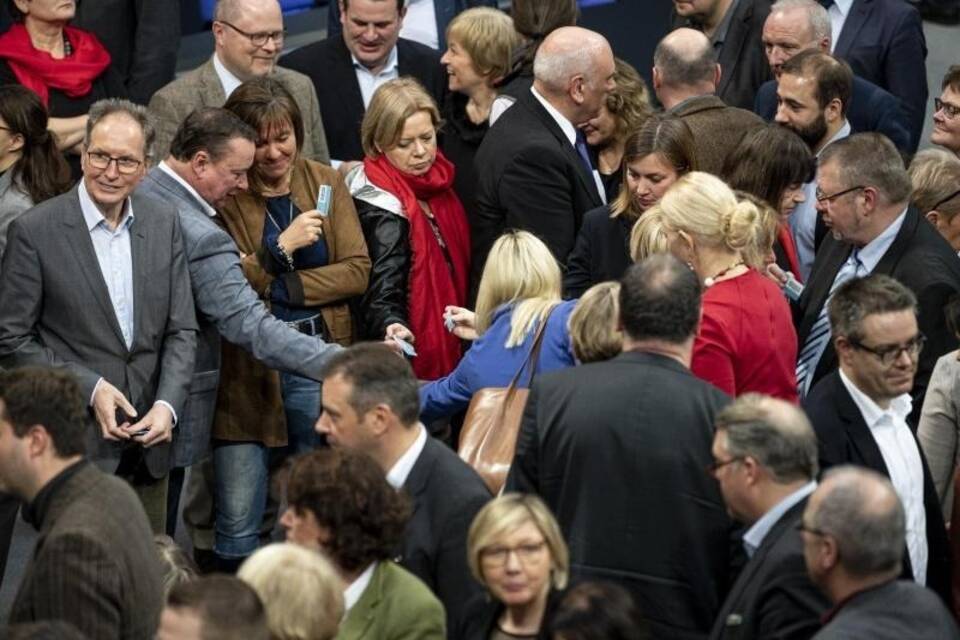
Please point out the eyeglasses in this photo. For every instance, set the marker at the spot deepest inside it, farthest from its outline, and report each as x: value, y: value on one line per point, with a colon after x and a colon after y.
x: 496, y: 556
x: 101, y: 161
x: 819, y: 195
x: 716, y: 465
x: 949, y: 110
x: 944, y: 201
x: 260, y: 38
x: 811, y: 530
x: 888, y: 354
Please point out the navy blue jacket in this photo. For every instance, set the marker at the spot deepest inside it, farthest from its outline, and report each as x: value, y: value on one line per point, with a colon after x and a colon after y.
x: 871, y: 109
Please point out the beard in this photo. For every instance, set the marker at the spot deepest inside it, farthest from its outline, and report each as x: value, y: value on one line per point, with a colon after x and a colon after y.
x: 812, y: 133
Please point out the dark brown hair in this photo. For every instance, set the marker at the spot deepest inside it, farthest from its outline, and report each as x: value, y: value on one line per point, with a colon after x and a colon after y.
x: 535, y: 20
x: 47, y: 397
x: 834, y: 78
x: 227, y: 606
x: 767, y: 162
x: 209, y: 129
x: 41, y: 172
x: 377, y: 376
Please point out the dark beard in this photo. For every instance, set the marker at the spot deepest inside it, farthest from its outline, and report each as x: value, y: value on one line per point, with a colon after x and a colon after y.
x: 813, y: 133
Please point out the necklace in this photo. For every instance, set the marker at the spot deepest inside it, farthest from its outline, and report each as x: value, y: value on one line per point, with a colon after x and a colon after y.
x: 712, y: 280
x: 289, y: 216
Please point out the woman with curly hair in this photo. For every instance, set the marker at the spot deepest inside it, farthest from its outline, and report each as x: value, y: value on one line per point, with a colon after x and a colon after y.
x: 341, y: 504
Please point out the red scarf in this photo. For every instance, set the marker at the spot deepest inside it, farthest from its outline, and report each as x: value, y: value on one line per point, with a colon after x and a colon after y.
x: 39, y: 71
x: 789, y: 249
x: 431, y: 285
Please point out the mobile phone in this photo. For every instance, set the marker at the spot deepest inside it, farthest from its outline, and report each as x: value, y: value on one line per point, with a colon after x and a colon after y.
x: 449, y: 324
x: 324, y: 195
x: 405, y: 347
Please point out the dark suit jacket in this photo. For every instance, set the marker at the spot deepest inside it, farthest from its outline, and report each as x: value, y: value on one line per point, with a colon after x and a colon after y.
x: 717, y: 127
x: 743, y: 64
x: 94, y: 564
x: 844, y: 438
x: 919, y: 258
x: 871, y: 109
x: 329, y: 65
x: 446, y: 494
x: 617, y: 450
x: 530, y: 177
x: 601, y: 252
x: 55, y: 310
x: 898, y: 609
x: 773, y: 596
x: 884, y: 43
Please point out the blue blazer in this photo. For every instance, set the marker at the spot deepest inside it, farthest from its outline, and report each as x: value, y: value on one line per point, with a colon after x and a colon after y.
x: 871, y: 109
x: 489, y: 364
x: 884, y: 43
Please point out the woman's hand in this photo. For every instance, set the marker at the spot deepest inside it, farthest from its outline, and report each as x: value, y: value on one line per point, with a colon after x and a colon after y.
x: 397, y: 330
x: 464, y: 322
x: 303, y: 231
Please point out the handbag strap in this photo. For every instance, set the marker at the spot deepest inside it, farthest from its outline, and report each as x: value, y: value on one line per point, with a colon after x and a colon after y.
x: 534, y: 356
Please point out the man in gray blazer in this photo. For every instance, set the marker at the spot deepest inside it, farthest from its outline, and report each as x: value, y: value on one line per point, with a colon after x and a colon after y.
x: 248, y: 39
x: 95, y: 281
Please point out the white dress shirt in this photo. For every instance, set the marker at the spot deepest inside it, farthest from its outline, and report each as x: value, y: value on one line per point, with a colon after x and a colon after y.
x: 755, y: 535
x: 210, y: 211
x: 838, y: 13
x: 228, y: 81
x: 901, y: 454
x: 369, y: 81
x: 353, y: 593
x: 401, y: 469
x: 420, y: 23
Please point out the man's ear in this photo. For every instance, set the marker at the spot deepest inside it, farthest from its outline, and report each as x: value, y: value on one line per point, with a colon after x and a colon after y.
x: 834, y: 110
x: 934, y: 218
x: 657, y: 79
x: 200, y: 162
x: 717, y: 74
x: 576, y: 89
x: 38, y: 441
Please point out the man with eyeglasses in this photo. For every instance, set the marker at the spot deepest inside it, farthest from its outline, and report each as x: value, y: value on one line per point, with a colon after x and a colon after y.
x: 765, y: 461
x: 95, y: 281
x: 861, y: 412
x: 853, y: 538
x: 248, y: 39
x: 946, y: 113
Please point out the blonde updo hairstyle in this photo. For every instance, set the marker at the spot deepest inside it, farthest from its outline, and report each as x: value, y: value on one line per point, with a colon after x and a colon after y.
x: 595, y: 333
x: 391, y: 105
x: 648, y: 235
x: 768, y: 224
x: 703, y: 207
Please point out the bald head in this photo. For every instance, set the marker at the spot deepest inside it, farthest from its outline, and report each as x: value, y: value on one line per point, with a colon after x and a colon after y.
x: 573, y: 69
x: 794, y: 26
x: 231, y: 10
x: 685, y: 58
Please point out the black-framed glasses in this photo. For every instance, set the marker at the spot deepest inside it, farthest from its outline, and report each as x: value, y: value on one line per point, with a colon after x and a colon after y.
x: 526, y: 553
x: 716, y: 465
x: 949, y: 110
x: 260, y: 38
x: 888, y: 353
x: 101, y: 161
x: 821, y: 197
x: 811, y: 530
x: 944, y: 201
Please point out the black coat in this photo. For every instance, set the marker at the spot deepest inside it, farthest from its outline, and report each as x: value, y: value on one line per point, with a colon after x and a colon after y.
x: 919, y: 258
x: 447, y: 494
x: 328, y: 64
x: 460, y: 138
x: 601, y: 253
x: 844, y: 438
x: 773, y: 596
x: 482, y: 613
x: 530, y: 177
x: 618, y: 451
x: 386, y: 299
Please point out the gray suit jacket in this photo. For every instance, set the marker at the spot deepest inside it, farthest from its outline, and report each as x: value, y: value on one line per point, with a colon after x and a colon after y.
x: 55, y: 310
x: 226, y: 305
x: 13, y: 202
x: 202, y: 88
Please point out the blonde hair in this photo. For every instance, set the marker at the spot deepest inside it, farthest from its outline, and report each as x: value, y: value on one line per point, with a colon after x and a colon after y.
x: 935, y: 174
x: 176, y: 564
x: 768, y: 223
x: 648, y: 235
x: 488, y: 37
x: 507, y: 513
x: 705, y: 208
x: 519, y: 270
x: 300, y: 590
x: 594, y: 324
x: 391, y: 105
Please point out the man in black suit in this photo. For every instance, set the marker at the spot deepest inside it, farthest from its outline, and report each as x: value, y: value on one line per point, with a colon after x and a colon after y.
x: 860, y: 413
x: 618, y: 449
x: 798, y: 25
x: 371, y: 403
x: 534, y: 170
x: 733, y: 27
x: 884, y: 43
x: 863, y: 195
x: 346, y: 69
x: 765, y: 460
x: 853, y: 537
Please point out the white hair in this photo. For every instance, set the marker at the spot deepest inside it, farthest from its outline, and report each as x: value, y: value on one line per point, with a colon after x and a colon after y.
x: 817, y: 17
x: 554, y: 69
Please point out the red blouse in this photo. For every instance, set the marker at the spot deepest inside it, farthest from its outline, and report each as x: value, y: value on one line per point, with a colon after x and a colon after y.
x: 747, y: 341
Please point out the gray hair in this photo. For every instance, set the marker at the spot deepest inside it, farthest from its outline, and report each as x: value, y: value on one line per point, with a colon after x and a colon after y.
x: 858, y: 298
x: 554, y: 69
x: 861, y: 511
x: 679, y: 68
x: 139, y: 114
x: 935, y: 174
x: 871, y: 160
x: 775, y: 433
x: 818, y: 19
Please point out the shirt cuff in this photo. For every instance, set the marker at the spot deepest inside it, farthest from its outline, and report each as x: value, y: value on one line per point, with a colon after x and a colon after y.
x: 94, y: 394
x: 168, y: 406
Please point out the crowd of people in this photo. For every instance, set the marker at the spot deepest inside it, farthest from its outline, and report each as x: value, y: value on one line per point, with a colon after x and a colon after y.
x: 709, y: 325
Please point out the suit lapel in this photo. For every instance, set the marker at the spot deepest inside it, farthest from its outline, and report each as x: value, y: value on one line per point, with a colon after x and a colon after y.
x: 348, y: 89
x: 890, y: 259
x: 730, y: 56
x: 138, y: 256
x: 821, y: 279
x: 211, y: 89
x: 858, y: 433
x: 859, y: 15
x: 361, y: 617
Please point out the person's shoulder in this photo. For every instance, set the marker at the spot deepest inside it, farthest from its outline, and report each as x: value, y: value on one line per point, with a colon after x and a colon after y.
x: 415, y: 51
x: 297, y: 83
x: 450, y: 472
x: 184, y: 84
x: 157, y: 211
x: 307, y: 56
x: 599, y: 217
x: 407, y: 592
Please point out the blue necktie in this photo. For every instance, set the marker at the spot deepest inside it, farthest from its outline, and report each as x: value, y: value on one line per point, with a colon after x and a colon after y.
x: 583, y: 151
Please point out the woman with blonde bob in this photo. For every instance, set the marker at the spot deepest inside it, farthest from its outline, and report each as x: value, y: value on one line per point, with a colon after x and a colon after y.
x: 414, y: 225
x: 519, y: 290
x: 300, y: 590
x: 648, y: 236
x: 935, y: 175
x: 747, y: 341
x: 516, y: 550
x: 595, y: 324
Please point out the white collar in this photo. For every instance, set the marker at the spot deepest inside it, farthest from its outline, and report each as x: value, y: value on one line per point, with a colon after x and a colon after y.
x: 92, y: 215
x: 392, y: 61
x: 228, y: 81
x: 210, y: 211
x: 899, y: 409
x: 756, y: 534
x: 843, y: 132
x: 568, y: 127
x: 843, y: 6
x: 871, y: 253
x: 401, y: 469
x: 353, y: 593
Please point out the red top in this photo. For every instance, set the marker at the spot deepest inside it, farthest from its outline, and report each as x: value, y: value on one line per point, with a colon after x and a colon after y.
x: 747, y: 341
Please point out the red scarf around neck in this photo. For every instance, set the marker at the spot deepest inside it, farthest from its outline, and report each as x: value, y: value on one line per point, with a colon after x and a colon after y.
x: 39, y: 71
x: 431, y: 285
